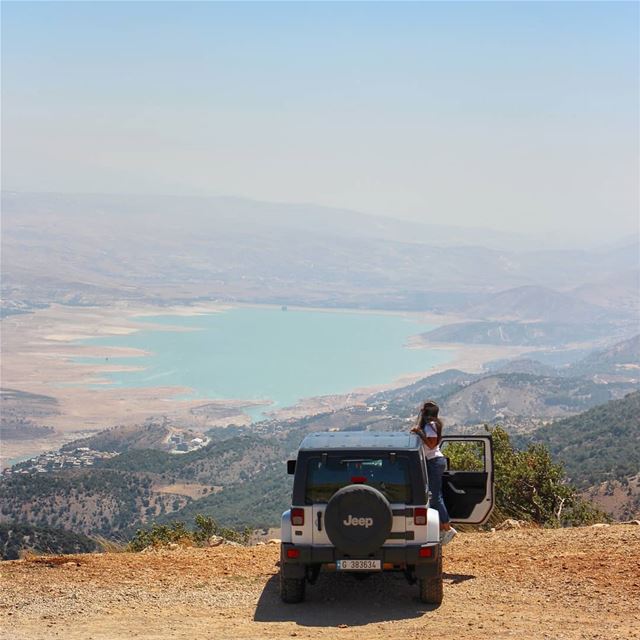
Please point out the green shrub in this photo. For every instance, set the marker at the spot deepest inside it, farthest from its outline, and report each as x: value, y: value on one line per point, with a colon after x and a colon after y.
x: 161, y: 535
x: 206, y: 527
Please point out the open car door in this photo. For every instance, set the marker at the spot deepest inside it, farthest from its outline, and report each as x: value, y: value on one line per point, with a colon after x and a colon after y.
x: 467, y: 484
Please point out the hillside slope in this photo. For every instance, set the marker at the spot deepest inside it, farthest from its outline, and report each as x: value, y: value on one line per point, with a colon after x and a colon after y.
x: 151, y: 435
x: 536, y: 303
x: 619, y: 290
x: 534, y: 584
x: 621, y: 359
x: 510, y: 332
x: 97, y: 501
x: 222, y: 479
x: 14, y: 538
x: 496, y: 397
x: 598, y: 445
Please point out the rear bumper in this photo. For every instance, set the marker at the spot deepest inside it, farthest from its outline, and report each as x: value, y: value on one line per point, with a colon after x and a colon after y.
x: 407, y: 557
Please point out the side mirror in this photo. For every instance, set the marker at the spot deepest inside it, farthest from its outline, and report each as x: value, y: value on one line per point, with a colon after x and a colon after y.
x: 291, y: 467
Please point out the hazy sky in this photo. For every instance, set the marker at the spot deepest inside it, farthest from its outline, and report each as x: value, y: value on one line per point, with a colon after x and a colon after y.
x: 520, y: 116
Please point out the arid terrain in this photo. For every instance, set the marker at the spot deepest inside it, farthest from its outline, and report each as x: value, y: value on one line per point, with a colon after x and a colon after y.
x: 572, y: 583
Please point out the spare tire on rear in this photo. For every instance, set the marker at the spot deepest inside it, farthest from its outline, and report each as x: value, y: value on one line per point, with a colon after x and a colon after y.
x: 358, y: 519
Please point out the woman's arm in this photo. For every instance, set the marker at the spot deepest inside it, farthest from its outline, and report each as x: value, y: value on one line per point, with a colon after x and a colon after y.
x: 432, y: 443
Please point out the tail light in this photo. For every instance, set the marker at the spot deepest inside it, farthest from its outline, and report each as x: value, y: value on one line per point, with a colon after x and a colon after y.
x: 293, y: 553
x: 419, y: 516
x: 425, y: 552
x: 297, y: 517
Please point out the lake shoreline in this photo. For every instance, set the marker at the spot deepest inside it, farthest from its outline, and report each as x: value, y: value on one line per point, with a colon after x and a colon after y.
x: 40, y: 352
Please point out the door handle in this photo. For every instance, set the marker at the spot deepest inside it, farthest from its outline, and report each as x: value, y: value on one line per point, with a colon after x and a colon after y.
x: 460, y: 492
x: 319, y: 520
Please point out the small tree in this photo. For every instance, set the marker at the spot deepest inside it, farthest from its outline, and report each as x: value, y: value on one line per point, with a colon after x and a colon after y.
x: 206, y: 528
x: 529, y: 484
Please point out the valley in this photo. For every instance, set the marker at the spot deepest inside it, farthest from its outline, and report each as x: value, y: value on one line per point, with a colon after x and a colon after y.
x: 240, y: 458
x: 503, y: 333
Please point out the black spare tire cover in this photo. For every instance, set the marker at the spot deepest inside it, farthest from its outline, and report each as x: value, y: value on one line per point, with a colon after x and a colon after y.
x: 358, y: 519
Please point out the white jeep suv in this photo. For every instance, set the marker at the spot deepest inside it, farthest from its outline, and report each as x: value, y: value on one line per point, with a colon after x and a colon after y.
x: 360, y: 503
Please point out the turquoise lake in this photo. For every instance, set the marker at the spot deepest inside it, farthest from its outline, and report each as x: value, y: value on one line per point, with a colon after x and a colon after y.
x: 254, y: 353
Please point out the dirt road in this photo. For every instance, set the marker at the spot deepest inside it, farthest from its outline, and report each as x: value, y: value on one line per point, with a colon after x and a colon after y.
x: 579, y: 583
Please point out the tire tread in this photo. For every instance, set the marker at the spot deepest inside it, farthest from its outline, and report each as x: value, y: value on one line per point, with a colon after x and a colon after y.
x: 432, y: 589
x: 292, y: 590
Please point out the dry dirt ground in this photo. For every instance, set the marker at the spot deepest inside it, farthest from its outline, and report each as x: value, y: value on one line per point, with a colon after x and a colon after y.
x: 579, y: 583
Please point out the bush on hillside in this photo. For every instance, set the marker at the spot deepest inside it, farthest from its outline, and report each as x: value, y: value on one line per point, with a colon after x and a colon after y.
x: 529, y: 485
x: 161, y: 535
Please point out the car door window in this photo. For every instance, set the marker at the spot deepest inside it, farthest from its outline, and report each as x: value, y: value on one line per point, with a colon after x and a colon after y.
x: 467, y: 485
x: 464, y: 456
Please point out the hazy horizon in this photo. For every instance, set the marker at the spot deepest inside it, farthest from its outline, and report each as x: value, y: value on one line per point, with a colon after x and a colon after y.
x: 490, y: 237
x: 514, y: 117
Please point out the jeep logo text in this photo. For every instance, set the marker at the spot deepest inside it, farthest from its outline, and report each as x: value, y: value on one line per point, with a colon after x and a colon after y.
x: 357, y: 522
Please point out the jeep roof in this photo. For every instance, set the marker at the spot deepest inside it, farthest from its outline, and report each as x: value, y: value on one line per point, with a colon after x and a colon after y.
x: 360, y: 440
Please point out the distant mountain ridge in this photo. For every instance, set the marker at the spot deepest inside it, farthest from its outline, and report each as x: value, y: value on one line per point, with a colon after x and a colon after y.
x: 533, y: 334
x: 232, y: 213
x: 84, y: 249
x: 522, y: 388
x: 537, y: 303
x: 622, y: 358
x: 524, y: 365
x: 619, y: 291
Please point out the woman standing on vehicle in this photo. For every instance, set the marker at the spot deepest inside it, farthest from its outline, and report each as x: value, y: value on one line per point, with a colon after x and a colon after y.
x: 429, y: 430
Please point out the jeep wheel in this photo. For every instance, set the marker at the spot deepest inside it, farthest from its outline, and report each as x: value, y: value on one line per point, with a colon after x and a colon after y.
x: 292, y: 589
x: 358, y: 519
x: 431, y: 589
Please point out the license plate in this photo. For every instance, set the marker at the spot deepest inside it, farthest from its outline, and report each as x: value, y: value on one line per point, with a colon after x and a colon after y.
x: 359, y: 565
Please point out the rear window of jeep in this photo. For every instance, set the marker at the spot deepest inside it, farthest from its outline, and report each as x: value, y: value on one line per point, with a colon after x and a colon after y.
x: 324, y: 478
